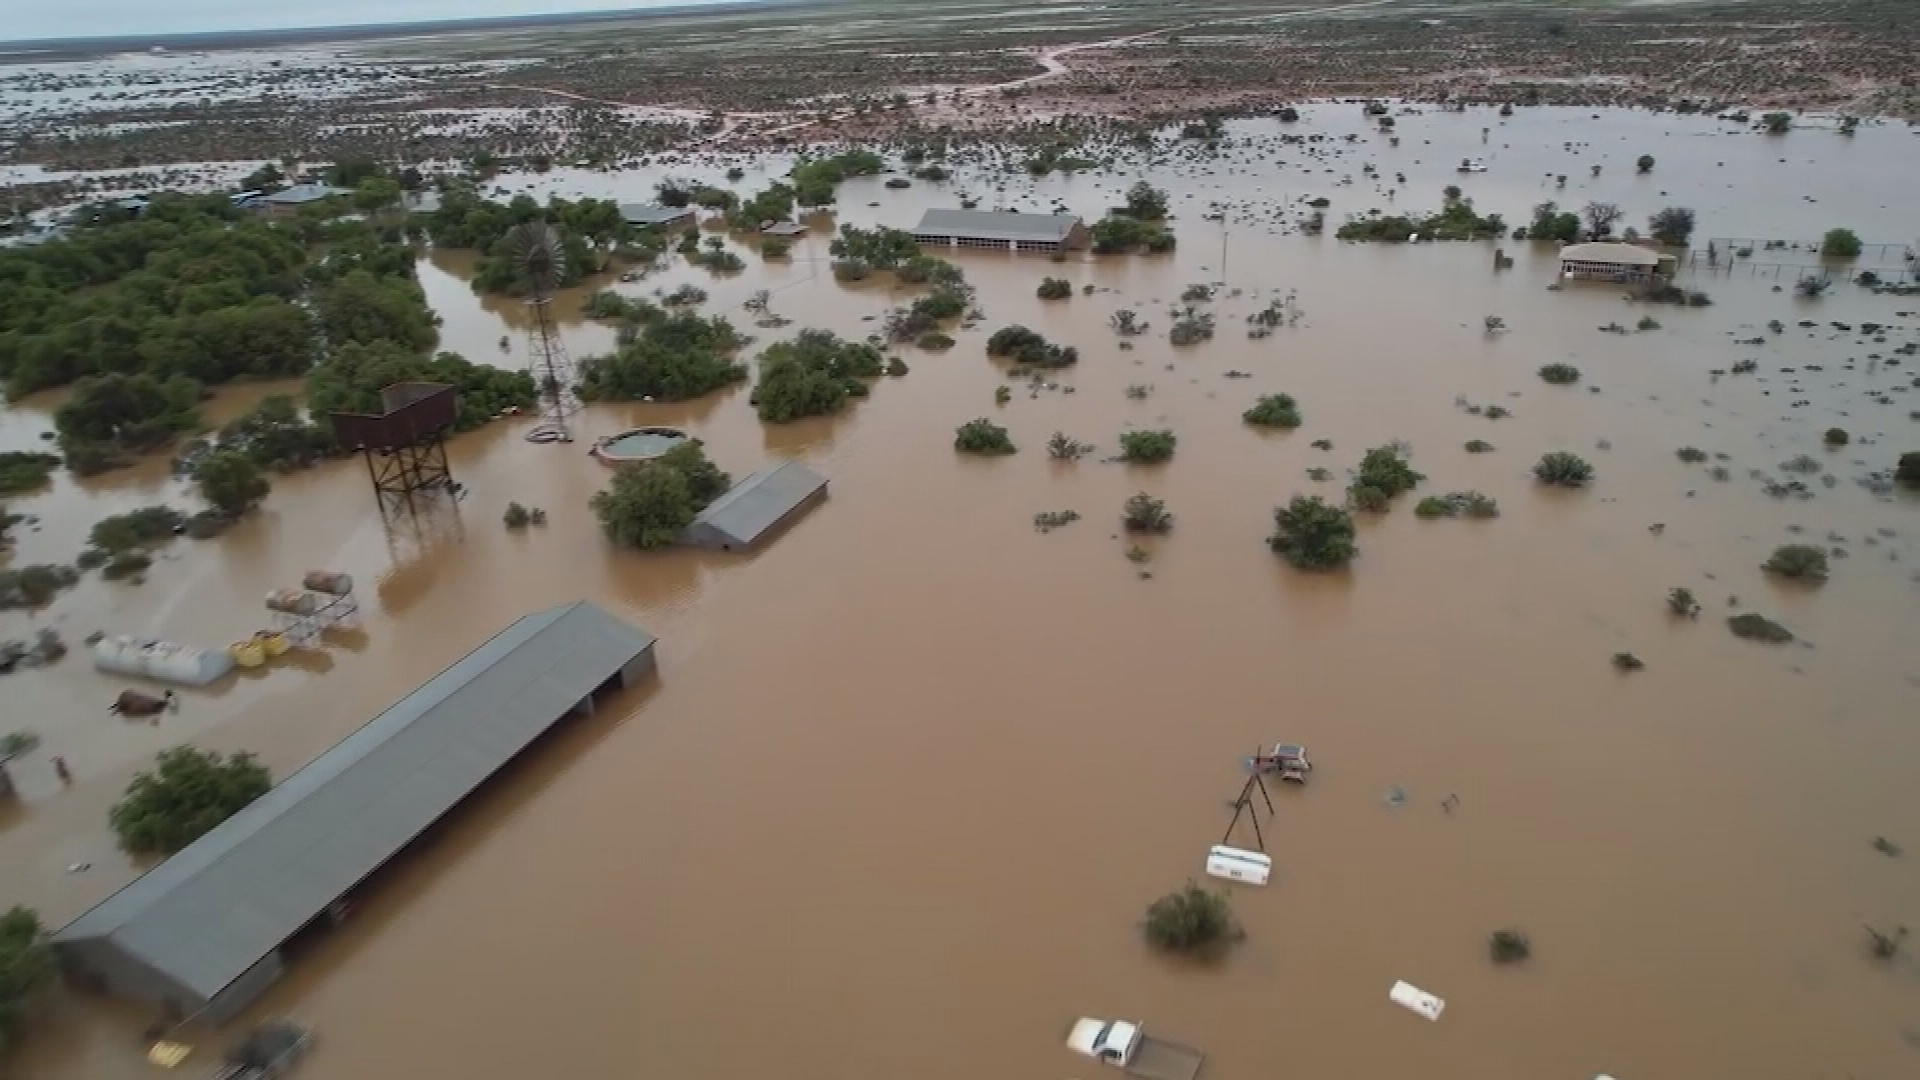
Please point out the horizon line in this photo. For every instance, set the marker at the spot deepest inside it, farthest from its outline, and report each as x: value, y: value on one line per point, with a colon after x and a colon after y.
x: 14, y: 50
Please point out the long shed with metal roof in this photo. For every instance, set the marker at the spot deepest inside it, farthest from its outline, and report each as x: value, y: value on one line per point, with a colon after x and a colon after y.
x: 756, y: 507
x: 200, y: 935
x: 1000, y: 230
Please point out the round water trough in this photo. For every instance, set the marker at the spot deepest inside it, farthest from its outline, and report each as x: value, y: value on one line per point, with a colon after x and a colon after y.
x: 639, y: 444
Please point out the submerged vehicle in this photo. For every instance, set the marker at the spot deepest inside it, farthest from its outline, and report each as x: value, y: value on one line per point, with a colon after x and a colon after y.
x: 267, y: 1053
x: 1118, y: 1042
x: 1472, y: 164
x: 1288, y: 761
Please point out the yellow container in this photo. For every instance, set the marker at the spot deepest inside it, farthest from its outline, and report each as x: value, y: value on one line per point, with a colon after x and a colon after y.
x: 272, y: 642
x: 247, y: 653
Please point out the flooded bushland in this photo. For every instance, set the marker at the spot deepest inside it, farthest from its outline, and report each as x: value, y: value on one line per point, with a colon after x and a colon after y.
x: 911, y: 774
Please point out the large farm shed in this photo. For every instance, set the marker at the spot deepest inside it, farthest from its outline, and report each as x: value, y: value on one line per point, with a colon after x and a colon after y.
x: 1613, y: 262
x: 1000, y: 230
x: 201, y: 934
x: 755, y: 507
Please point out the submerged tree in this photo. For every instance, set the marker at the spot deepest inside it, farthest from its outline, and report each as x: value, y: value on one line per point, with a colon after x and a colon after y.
x: 1144, y: 513
x: 1313, y: 534
x: 189, y: 792
x: 1275, y: 411
x: 1798, y: 562
x: 230, y: 482
x: 1191, y: 919
x: 983, y: 437
x: 27, y: 967
x: 1563, y: 469
x: 650, y: 502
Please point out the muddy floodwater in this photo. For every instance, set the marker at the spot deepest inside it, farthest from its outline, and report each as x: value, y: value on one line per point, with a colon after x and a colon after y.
x: 910, y: 775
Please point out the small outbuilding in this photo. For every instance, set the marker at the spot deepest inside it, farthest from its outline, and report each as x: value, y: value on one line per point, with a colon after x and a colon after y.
x: 788, y: 229
x: 290, y: 201
x: 755, y: 507
x: 202, y: 934
x: 1608, y: 261
x: 655, y: 216
x: 1001, y: 230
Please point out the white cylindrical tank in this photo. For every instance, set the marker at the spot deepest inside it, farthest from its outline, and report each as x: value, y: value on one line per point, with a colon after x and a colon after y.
x: 166, y: 661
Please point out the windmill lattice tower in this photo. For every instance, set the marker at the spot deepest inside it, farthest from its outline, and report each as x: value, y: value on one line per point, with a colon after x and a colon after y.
x: 543, y: 262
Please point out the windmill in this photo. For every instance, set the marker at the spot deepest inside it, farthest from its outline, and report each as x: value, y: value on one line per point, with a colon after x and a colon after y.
x: 535, y: 247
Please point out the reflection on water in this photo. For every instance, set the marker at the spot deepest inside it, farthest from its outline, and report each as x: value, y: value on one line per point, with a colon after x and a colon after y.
x: 916, y: 762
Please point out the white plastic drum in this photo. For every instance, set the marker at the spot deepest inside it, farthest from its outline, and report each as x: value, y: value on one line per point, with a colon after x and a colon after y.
x: 166, y: 661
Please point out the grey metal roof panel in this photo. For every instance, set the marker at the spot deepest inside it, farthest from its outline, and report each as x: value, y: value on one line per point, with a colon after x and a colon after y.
x: 996, y: 224
x: 299, y: 194
x: 761, y: 501
x: 206, y: 915
x: 652, y: 213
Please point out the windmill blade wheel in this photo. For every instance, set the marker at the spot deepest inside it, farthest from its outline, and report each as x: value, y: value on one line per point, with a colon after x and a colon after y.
x: 535, y: 246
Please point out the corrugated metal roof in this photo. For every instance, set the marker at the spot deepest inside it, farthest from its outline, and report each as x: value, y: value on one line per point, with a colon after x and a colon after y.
x: 653, y: 214
x: 1603, y: 252
x: 299, y: 194
x: 996, y: 224
x: 206, y: 915
x: 758, y: 503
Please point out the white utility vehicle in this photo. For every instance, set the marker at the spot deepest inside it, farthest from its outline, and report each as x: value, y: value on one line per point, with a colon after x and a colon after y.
x: 1118, y: 1042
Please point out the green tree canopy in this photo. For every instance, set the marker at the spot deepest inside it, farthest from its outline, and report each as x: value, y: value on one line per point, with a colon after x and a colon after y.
x: 351, y: 379
x: 126, y: 412
x: 668, y: 358
x: 1313, y: 534
x: 1672, y: 226
x: 230, y: 482
x: 26, y: 968
x: 1840, y: 243
x: 812, y: 375
x: 881, y: 248
x: 189, y: 792
x: 1146, y: 202
x: 650, y: 502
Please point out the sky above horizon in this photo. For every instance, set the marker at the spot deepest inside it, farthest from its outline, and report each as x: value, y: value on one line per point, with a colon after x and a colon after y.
x: 142, y: 18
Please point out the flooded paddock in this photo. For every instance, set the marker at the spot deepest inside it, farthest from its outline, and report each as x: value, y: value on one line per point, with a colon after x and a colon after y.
x: 911, y: 774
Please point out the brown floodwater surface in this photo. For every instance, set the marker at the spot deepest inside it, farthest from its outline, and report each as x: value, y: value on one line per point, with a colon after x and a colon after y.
x: 911, y: 774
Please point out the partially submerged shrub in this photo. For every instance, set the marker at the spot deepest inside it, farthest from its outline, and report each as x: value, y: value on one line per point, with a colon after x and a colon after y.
x: 982, y: 436
x: 1055, y: 289
x: 1458, y: 504
x: 1383, y: 473
x: 1026, y: 347
x: 1691, y: 454
x: 1479, y: 446
x: 1560, y: 374
x: 516, y: 516
x: 1798, y: 562
x: 146, y: 527
x: 1144, y: 513
x: 1680, y: 601
x: 1064, y: 447
x: 1758, y: 628
x: 1313, y: 534
x: 1147, y: 447
x: 1626, y: 661
x: 1509, y: 947
x: 125, y: 565
x: 1838, y: 437
x: 1275, y: 411
x: 1908, y: 472
x: 1192, y: 919
x: 1563, y: 469
x: 34, y: 585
